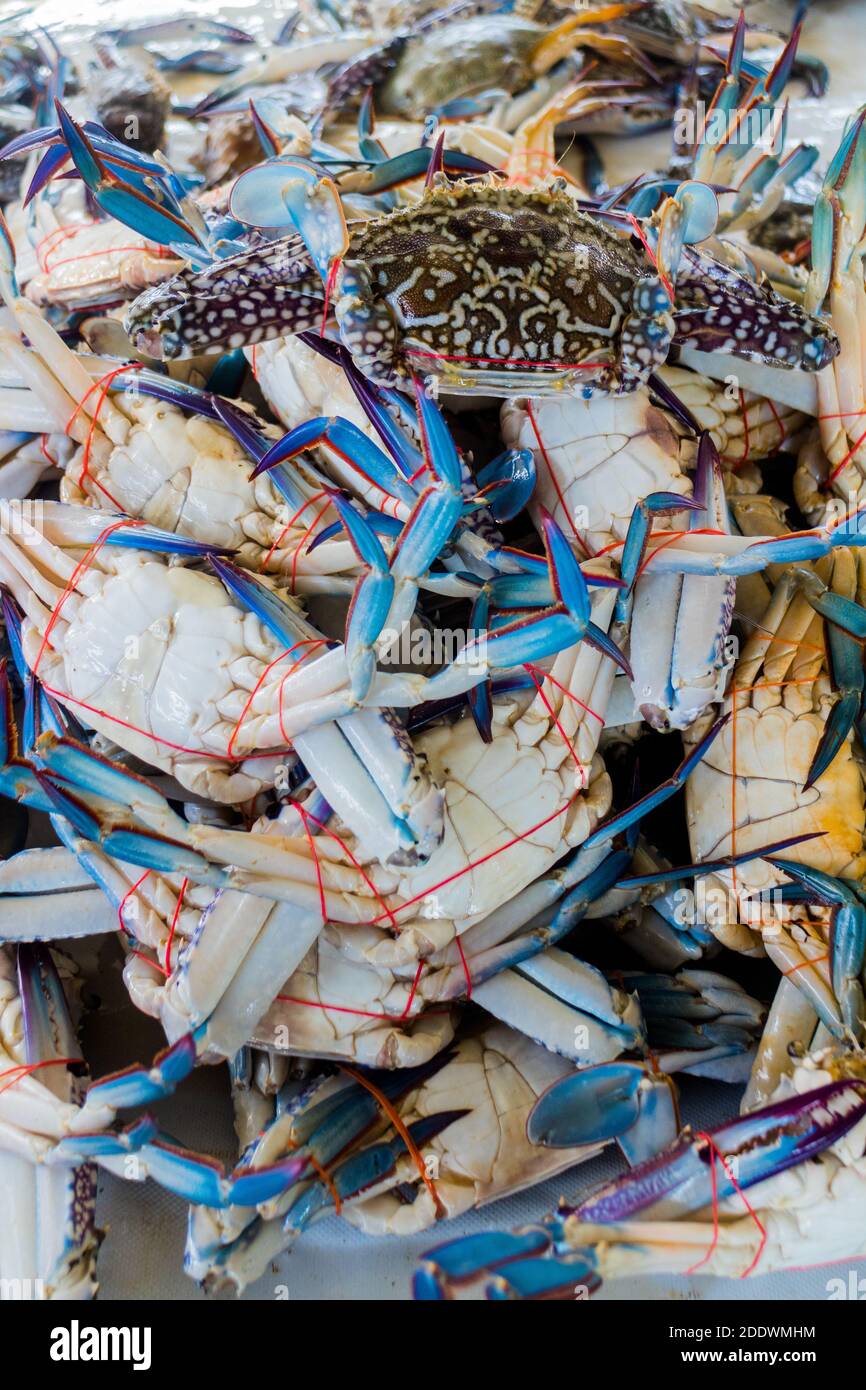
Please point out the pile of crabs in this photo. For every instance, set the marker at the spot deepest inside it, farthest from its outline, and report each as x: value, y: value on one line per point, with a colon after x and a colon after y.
x: 433, y: 591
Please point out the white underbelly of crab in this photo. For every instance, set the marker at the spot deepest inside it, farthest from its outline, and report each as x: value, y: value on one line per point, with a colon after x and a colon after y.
x: 595, y: 459
x: 181, y: 473
x: 160, y: 654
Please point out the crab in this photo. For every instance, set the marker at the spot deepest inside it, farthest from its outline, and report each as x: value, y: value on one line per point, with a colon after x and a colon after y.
x: 510, y: 291
x: 451, y: 62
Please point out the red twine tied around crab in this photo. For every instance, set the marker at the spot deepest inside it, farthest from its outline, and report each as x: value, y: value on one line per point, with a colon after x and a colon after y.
x: 717, y: 1155
x: 103, y: 385
x: 403, y: 1132
x: 362, y: 1013
x: 173, y: 927
x: 850, y: 454
x: 584, y: 545
x: 55, y: 239
x: 539, y: 686
x: 545, y: 675
x: 518, y: 362
x: 642, y: 238
x: 125, y: 899
x: 23, y: 1069
x: 333, y: 272
x: 43, y: 449
x: 306, y: 815
x: 81, y: 568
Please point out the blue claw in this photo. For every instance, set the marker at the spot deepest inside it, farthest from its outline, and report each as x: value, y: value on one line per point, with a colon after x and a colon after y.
x: 714, y: 866
x: 637, y: 536
x: 842, y: 612
x: 615, y: 824
x: 347, y: 440
x: 79, y: 1148
x: 204, y: 1182
x: 462, y: 1260
x: 523, y: 1265
x: 288, y: 191
x: 569, y: 585
x: 712, y: 1167
x: 847, y: 935
x: 286, y: 625
x: 840, y: 720
x: 48, y: 1031
x: 161, y: 221
x: 364, y: 1170
x: 371, y: 601
x: 507, y: 483
x: 571, y: 910
x: 563, y: 1277
x: 614, y: 1100
x: 406, y: 168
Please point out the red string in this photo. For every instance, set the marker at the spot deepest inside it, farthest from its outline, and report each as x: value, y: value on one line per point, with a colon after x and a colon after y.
x: 83, y: 565
x: 459, y: 944
x: 363, y: 1013
x: 306, y: 536
x: 333, y: 271
x: 332, y: 834
x: 715, y: 1185
x: 161, y: 253
x: 569, y: 745
x: 553, y: 478
x: 477, y: 863
x: 302, y: 642
x: 403, y: 1132
x: 150, y: 961
x: 123, y: 927
x: 804, y: 965
x: 288, y: 526
x: 58, y: 236
x: 81, y: 568
x: 25, y: 1068
x: 847, y: 459
x: 511, y: 361
x: 322, y: 903
x: 173, y: 926
x: 778, y: 420
x: 43, y: 449
x: 641, y: 236
x: 570, y: 693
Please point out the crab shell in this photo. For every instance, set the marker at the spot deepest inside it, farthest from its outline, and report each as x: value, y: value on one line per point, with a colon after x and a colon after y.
x: 490, y: 289
x: 414, y: 74
x: 476, y: 279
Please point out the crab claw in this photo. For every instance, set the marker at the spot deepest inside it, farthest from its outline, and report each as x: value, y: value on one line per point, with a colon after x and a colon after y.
x: 618, y: 1100
x: 290, y: 192
x: 350, y: 443
x: 689, y: 216
x: 616, y: 824
x: 162, y: 221
x: 842, y: 612
x: 847, y: 937
x: 371, y: 600
x: 524, y: 1264
x: 715, y: 1165
x: 139, y: 1085
x: 839, y: 216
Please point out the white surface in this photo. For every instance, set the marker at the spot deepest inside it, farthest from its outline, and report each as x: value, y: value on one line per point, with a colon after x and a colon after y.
x: 142, y: 1255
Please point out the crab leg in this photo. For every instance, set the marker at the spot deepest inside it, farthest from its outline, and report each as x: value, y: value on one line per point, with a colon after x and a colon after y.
x: 645, y: 1208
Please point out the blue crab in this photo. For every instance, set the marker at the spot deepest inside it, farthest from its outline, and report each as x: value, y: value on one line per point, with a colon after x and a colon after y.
x: 685, y: 1210
x: 509, y: 291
